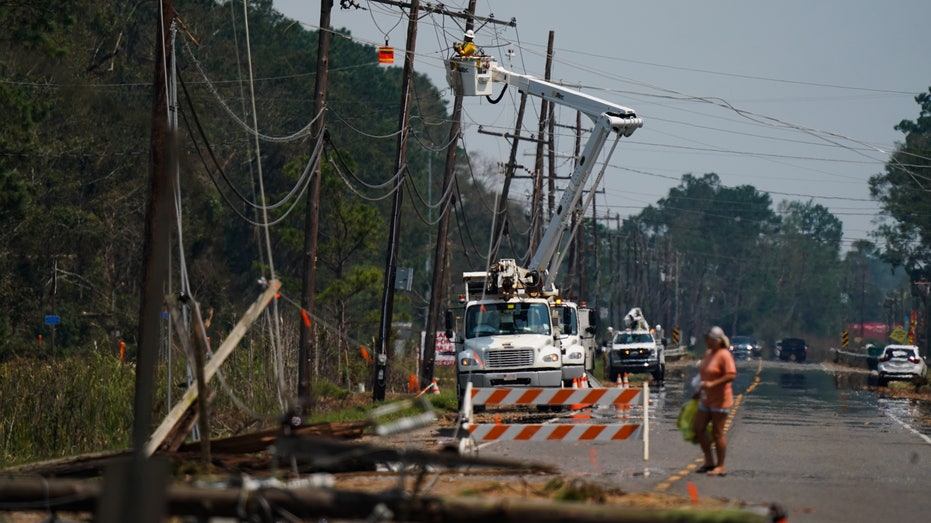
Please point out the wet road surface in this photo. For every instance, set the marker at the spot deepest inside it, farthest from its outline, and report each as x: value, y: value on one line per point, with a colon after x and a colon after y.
x: 811, y: 437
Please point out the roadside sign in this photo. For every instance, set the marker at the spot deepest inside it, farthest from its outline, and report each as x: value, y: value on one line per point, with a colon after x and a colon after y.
x: 404, y: 278
x: 52, y: 319
x: 844, y: 339
x: 898, y: 335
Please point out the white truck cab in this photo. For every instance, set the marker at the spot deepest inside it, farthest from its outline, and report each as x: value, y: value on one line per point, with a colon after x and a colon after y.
x: 510, y: 342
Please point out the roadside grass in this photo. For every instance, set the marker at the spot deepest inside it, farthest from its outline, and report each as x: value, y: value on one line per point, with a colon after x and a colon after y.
x: 83, y: 403
x: 62, y: 407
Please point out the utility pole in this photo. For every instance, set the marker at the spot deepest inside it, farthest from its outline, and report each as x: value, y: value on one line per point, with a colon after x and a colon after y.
x: 595, y: 250
x: 575, y: 250
x: 678, y: 296
x: 551, y: 131
x: 618, y: 296
x: 381, y: 361
x: 501, y: 210
x: 138, y: 486
x: 470, y: 18
x: 437, y: 288
x: 312, y: 218
x: 541, y: 142
x: 384, y: 333
x: 667, y: 274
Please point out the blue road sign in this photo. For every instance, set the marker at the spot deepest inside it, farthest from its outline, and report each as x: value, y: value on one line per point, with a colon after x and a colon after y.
x: 52, y: 319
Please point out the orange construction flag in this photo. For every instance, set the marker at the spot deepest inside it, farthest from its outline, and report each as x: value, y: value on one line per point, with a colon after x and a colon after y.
x: 365, y: 354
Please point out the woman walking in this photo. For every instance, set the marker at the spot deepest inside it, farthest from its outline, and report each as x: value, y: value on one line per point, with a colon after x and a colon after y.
x: 716, y: 397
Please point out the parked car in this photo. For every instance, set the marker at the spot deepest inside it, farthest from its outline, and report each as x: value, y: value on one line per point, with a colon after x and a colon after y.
x: 900, y: 362
x: 791, y: 349
x: 746, y: 347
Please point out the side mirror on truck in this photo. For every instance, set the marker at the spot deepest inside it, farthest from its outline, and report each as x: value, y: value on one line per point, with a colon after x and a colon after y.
x: 450, y: 321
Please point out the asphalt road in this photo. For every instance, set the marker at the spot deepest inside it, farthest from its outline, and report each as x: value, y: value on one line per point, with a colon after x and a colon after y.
x: 810, y: 437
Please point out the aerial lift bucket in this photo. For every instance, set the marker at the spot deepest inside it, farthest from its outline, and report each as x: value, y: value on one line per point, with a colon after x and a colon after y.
x: 469, y: 76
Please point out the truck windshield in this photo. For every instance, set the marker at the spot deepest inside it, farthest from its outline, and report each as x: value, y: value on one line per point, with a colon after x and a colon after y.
x: 492, y: 319
x: 633, y: 337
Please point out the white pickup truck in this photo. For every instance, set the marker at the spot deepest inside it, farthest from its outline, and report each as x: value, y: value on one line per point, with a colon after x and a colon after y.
x: 636, y: 349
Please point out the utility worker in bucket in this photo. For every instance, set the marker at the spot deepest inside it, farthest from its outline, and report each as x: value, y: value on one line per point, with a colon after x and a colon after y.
x: 467, y: 47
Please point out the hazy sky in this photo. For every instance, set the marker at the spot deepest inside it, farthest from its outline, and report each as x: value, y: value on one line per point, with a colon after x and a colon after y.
x: 797, y: 98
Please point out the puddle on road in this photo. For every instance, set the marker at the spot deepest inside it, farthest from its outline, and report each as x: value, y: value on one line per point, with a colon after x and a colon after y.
x: 916, y: 413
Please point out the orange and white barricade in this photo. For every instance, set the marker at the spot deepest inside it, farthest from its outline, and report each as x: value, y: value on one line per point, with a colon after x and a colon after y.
x: 622, y: 398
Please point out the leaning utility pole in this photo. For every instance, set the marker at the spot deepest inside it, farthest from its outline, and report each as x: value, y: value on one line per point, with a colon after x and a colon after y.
x: 437, y: 288
x: 312, y: 218
x: 394, y: 235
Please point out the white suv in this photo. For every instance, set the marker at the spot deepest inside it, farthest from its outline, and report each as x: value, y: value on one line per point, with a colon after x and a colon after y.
x: 900, y: 362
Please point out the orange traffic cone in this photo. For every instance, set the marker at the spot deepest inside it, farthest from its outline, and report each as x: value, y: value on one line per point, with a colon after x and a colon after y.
x: 580, y: 383
x: 620, y: 382
x: 431, y: 387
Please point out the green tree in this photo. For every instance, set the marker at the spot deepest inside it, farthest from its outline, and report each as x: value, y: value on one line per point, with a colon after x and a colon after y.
x: 352, y: 281
x: 902, y: 191
x: 717, y: 233
x: 806, y: 255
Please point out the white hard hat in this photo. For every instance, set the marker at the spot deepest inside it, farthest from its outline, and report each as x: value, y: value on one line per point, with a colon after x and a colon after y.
x: 470, y: 34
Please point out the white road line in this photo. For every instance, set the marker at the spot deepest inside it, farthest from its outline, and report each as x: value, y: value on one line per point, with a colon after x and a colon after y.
x: 909, y: 428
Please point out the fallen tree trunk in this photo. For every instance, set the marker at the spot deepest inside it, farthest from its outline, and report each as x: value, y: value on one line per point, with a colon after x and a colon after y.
x: 31, y: 493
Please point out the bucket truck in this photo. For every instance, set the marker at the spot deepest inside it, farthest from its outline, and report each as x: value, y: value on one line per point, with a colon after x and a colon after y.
x: 637, y: 349
x: 512, y: 314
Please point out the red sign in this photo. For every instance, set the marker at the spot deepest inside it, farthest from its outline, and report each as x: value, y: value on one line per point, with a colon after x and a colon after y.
x: 445, y: 350
x: 871, y: 329
x: 445, y: 354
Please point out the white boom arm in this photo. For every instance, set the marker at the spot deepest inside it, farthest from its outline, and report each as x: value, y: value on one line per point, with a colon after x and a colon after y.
x: 476, y: 75
x: 608, y: 118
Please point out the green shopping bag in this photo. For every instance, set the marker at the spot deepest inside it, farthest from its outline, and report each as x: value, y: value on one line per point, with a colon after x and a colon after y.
x: 687, y: 419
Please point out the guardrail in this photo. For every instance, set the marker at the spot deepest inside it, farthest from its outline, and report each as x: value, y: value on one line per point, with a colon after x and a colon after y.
x: 854, y: 359
x: 676, y: 352
x: 623, y: 399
